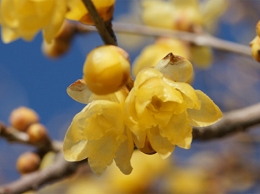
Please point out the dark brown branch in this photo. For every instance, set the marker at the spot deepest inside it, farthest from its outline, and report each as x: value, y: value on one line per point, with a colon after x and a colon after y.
x: 197, y: 39
x: 235, y: 121
x: 104, y: 29
x: 34, y: 181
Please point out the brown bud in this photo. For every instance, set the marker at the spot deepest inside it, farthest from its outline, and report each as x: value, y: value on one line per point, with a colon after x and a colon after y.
x: 28, y: 162
x: 255, y: 48
x: 37, y: 133
x: 22, y: 117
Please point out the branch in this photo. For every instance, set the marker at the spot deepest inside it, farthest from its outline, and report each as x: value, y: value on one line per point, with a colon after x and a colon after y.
x: 34, y: 181
x: 232, y: 122
x: 15, y: 136
x: 202, y: 39
x: 235, y: 121
x: 104, y: 29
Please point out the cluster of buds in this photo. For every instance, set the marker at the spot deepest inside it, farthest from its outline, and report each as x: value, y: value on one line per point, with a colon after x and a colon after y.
x: 255, y: 44
x: 26, y: 120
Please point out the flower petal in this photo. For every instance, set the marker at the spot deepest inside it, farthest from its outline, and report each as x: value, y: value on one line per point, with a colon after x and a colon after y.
x: 208, y: 114
x: 189, y: 94
x: 101, y: 152
x: 178, y: 131
x: 79, y: 91
x: 160, y: 144
x: 75, y: 141
x: 124, y: 154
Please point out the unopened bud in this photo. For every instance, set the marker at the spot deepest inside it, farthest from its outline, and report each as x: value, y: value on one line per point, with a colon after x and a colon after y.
x: 255, y: 48
x: 37, y: 133
x: 106, y: 69
x: 28, y: 162
x: 175, y: 68
x: 22, y: 117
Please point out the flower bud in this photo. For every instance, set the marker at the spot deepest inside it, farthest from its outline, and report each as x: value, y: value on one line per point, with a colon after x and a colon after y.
x: 22, y: 117
x: 37, y: 133
x: 258, y: 28
x: 175, y: 68
x: 61, y: 43
x: 255, y: 48
x: 28, y: 162
x: 106, y: 69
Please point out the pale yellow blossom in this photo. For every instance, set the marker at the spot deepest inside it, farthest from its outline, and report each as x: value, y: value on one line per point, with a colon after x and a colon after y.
x: 161, y: 111
x: 99, y: 133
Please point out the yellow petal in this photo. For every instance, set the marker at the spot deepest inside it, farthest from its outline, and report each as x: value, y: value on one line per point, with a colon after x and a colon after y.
x: 146, y: 74
x: 178, y: 131
x: 189, y: 94
x: 54, y: 25
x: 160, y: 144
x: 8, y: 35
x: 101, y: 152
x: 208, y: 114
x: 75, y: 141
x: 124, y: 154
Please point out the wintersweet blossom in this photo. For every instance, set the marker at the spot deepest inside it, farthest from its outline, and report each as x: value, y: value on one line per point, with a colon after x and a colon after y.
x: 24, y: 19
x: 185, y: 15
x: 153, y: 53
x: 99, y: 132
x: 162, y: 110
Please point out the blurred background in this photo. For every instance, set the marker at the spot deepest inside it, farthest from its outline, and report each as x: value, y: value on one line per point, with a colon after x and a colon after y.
x: 228, y: 165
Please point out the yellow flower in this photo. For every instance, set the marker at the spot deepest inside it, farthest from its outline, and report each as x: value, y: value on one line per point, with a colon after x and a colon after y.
x: 185, y: 15
x: 153, y: 53
x: 80, y: 13
x: 99, y: 133
x: 161, y: 112
x: 25, y: 18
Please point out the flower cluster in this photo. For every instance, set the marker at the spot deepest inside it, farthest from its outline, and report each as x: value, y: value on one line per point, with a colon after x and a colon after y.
x: 182, y: 15
x: 24, y: 19
x: 155, y: 115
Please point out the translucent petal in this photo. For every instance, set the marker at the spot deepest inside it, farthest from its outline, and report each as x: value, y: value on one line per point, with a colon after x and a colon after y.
x: 146, y: 74
x: 160, y: 144
x: 102, y: 117
x: 178, y: 130
x: 186, y: 4
x: 74, y: 146
x: 124, y: 154
x: 54, y: 25
x: 189, y: 94
x: 8, y: 35
x: 78, y: 91
x: 208, y: 114
x: 101, y: 152
x: 77, y: 10
x: 175, y: 68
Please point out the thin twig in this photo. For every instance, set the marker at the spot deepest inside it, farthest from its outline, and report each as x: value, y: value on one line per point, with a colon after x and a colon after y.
x: 202, y: 39
x: 104, y: 29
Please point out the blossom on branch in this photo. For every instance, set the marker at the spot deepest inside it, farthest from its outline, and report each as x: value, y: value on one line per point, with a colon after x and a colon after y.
x: 24, y: 19
x: 161, y: 109
x: 99, y: 133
